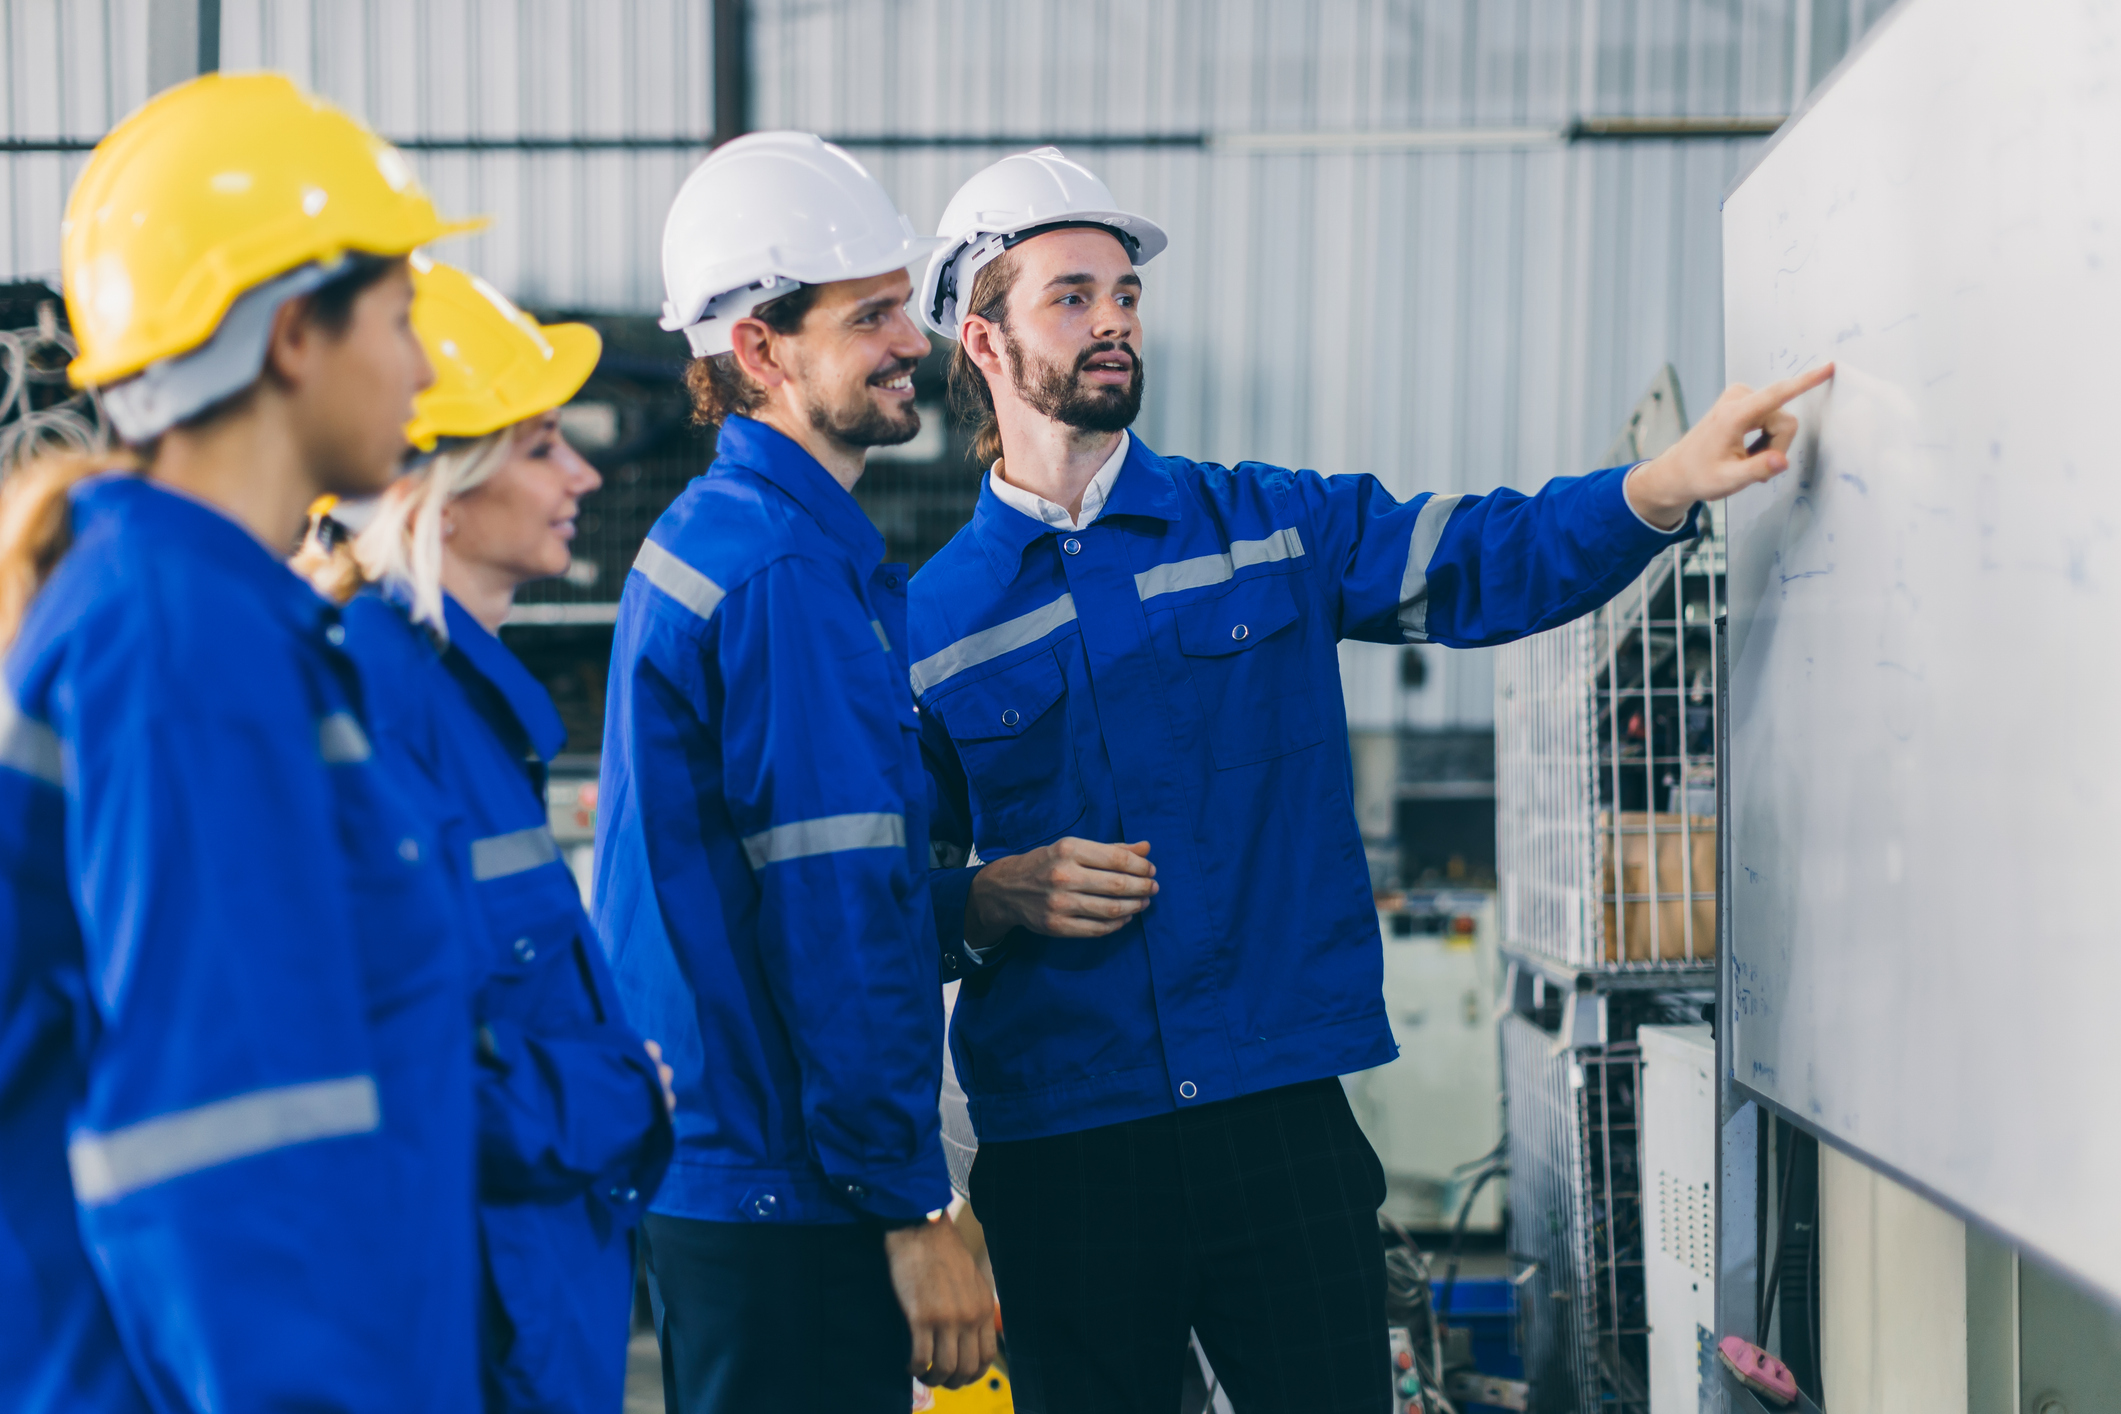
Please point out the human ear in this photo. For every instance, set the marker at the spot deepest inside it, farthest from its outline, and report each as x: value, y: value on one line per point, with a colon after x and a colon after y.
x: 983, y: 345
x: 752, y: 343
x: 293, y: 337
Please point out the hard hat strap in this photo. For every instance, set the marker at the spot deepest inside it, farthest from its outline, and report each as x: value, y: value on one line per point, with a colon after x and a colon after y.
x: 955, y: 287
x: 166, y: 393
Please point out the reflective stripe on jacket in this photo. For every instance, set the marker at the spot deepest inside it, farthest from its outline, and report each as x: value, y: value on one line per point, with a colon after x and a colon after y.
x: 1168, y: 673
x: 236, y: 1008
x: 573, y: 1137
x: 762, y: 848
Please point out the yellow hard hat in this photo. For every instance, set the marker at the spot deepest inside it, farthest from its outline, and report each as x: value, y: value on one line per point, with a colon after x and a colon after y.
x: 210, y: 189
x: 494, y: 364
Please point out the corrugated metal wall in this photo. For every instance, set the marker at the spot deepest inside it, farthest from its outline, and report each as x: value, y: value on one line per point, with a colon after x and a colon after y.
x: 1386, y: 257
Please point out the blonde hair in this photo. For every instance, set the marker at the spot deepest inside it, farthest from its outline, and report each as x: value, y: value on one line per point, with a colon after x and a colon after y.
x: 37, y: 525
x: 402, y: 546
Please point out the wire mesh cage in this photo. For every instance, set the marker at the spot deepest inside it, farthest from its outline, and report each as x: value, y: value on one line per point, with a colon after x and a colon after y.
x: 1605, y: 736
x: 1576, y: 1208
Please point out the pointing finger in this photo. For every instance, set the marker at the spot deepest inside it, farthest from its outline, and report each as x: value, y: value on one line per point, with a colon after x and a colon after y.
x: 1771, y: 398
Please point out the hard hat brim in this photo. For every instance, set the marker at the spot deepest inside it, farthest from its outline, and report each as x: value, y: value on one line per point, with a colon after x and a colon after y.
x: 88, y: 372
x: 575, y: 351
x: 1151, y: 241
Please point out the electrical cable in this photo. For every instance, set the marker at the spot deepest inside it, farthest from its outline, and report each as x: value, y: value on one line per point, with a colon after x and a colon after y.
x: 1458, y: 1237
x: 1811, y: 1289
x: 34, y: 359
x: 1788, y: 1160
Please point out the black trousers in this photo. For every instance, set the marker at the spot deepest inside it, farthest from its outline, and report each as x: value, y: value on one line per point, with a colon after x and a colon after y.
x: 1250, y: 1221
x: 760, y: 1316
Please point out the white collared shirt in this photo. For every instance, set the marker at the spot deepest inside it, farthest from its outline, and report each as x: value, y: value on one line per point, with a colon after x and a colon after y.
x: 1095, y: 495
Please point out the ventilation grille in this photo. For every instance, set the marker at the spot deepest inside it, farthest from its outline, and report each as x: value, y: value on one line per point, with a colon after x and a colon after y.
x: 1686, y: 1223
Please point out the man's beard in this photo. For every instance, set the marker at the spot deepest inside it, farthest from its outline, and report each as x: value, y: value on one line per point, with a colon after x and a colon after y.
x: 860, y: 422
x: 1060, y: 393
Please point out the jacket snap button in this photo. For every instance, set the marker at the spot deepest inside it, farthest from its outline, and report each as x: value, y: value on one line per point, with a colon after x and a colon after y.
x: 409, y: 850
x: 335, y: 635
x: 890, y: 581
x: 1240, y: 633
x: 1186, y: 1090
x: 1072, y: 545
x: 524, y: 950
x: 1009, y: 718
x: 765, y: 1205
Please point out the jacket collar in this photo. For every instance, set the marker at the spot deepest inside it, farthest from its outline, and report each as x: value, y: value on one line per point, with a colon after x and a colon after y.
x: 1145, y: 487
x: 186, y: 528
x: 526, y: 697
x: 779, y: 459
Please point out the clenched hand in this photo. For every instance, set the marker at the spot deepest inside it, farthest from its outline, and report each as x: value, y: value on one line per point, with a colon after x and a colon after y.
x: 1712, y: 460
x: 949, y: 1306
x: 1068, y: 889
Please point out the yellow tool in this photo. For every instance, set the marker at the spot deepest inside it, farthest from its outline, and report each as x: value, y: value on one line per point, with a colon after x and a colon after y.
x: 989, y: 1394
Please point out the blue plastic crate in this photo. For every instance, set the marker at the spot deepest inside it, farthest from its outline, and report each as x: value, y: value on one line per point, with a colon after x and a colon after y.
x: 1487, y: 1307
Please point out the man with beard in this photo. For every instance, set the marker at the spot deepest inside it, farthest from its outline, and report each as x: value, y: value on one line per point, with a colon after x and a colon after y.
x: 1125, y: 651
x: 762, y: 837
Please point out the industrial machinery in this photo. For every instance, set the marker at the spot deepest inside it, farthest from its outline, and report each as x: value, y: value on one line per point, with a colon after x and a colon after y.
x: 1679, y: 1211
x: 1434, y: 1113
x: 1605, y: 733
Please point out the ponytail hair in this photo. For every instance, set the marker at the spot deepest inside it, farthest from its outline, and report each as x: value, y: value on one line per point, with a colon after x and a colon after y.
x: 37, y: 525
x: 402, y: 545
x: 970, y: 397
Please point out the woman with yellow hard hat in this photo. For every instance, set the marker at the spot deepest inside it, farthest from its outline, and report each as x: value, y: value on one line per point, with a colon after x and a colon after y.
x: 574, y: 1133
x: 235, y: 1040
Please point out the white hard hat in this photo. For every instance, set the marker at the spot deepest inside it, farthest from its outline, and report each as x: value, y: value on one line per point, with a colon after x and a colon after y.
x: 1015, y: 199
x: 768, y: 212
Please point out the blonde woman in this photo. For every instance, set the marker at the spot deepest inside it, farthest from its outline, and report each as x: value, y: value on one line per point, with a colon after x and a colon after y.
x: 574, y: 1132
x: 235, y: 1047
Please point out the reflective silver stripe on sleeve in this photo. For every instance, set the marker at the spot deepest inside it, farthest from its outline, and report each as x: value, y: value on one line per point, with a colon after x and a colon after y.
x: 498, y: 856
x: 829, y: 834
x: 1421, y: 548
x: 340, y: 740
x: 881, y: 636
x: 992, y: 643
x: 677, y: 579
x: 1284, y: 544
x: 109, y: 1166
x: 28, y: 745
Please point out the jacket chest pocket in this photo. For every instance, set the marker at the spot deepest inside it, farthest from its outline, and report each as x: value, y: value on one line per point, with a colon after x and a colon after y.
x: 1012, y: 733
x: 1244, y: 653
x: 406, y: 914
x: 538, y: 975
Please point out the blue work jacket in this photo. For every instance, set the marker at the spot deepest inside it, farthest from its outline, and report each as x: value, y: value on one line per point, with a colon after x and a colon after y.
x: 235, y: 1019
x: 1169, y: 674
x: 573, y: 1135
x: 762, y: 848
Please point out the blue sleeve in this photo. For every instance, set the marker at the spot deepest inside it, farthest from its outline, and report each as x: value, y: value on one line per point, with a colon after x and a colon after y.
x: 1467, y: 571
x: 236, y: 1175
x: 567, y: 1109
x: 950, y: 849
x: 814, y: 781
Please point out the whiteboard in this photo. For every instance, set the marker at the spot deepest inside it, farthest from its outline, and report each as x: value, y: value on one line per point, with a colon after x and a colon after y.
x: 1925, y: 692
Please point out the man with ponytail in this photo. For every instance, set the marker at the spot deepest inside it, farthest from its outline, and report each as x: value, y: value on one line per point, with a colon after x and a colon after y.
x: 235, y: 1035
x: 1128, y: 658
x: 574, y: 1132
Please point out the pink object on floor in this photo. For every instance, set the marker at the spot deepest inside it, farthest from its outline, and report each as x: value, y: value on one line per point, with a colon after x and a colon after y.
x: 1758, y: 1369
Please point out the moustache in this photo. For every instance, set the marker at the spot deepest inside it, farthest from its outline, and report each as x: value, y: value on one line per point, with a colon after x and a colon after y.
x: 1098, y: 351
x: 899, y: 368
